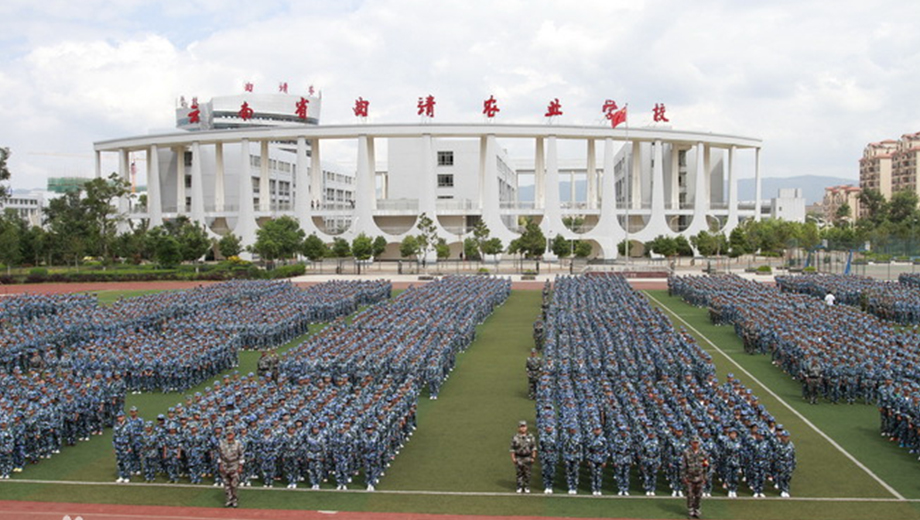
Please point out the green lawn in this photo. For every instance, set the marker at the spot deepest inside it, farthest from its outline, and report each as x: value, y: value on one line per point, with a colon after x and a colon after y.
x: 462, y: 446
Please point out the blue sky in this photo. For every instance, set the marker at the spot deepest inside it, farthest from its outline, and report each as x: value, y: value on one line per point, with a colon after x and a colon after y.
x: 816, y: 80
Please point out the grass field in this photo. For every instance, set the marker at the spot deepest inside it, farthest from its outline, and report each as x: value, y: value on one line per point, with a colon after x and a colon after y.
x: 457, y: 462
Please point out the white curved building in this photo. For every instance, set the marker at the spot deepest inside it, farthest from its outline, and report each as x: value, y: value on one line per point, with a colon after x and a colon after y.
x: 652, y: 181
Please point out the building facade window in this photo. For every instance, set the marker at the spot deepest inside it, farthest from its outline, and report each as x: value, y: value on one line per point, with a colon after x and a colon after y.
x: 445, y: 180
x: 446, y: 158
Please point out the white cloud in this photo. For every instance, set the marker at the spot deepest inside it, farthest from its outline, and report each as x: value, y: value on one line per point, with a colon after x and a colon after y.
x: 816, y: 81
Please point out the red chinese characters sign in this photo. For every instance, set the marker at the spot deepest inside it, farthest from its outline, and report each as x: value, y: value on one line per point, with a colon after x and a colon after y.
x: 554, y: 108
x: 426, y: 106
x: 283, y: 87
x: 301, y: 109
x: 246, y: 112
x: 248, y: 86
x: 658, y: 113
x: 194, y: 115
x: 361, y: 106
x: 490, y: 107
x: 613, y: 114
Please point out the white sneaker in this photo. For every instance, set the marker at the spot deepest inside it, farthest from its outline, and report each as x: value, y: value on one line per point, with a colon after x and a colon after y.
x: 673, y: 493
x: 370, y: 487
x: 118, y: 480
x: 680, y: 494
x: 526, y: 490
x: 548, y: 491
x: 519, y: 490
x: 784, y: 494
x: 314, y: 487
x: 651, y: 493
x: 572, y: 491
x: 626, y: 493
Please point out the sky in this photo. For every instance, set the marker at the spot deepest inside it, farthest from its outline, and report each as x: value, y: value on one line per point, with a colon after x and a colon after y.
x: 816, y: 80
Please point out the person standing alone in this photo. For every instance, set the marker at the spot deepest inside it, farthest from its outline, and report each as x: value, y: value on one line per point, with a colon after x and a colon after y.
x: 523, y: 453
x: 694, y: 464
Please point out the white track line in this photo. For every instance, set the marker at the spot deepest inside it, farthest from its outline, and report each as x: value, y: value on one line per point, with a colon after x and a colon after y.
x: 562, y: 495
x: 783, y: 402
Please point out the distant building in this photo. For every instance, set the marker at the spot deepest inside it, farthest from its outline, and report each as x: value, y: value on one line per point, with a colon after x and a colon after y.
x: 66, y: 184
x: 837, y: 196
x: 889, y: 166
x: 789, y: 204
x: 27, y: 206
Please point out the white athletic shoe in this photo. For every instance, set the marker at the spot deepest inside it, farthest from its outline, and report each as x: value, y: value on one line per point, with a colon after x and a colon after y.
x: 572, y: 491
x: 626, y: 493
x: 370, y: 487
x: 784, y: 494
x: 315, y: 487
x: 548, y: 491
x: 732, y: 494
x: 673, y: 493
x: 519, y: 490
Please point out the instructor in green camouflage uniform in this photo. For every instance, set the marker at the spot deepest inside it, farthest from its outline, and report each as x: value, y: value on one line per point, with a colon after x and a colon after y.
x: 523, y: 453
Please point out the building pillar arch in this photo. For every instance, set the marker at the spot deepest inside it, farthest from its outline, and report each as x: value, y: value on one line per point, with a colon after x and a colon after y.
x: 154, y: 201
x: 246, y: 225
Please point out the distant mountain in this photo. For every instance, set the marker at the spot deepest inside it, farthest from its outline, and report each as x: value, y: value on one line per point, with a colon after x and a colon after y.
x: 812, y: 187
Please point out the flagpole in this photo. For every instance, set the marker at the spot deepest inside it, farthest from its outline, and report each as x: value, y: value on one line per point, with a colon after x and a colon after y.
x: 628, y: 195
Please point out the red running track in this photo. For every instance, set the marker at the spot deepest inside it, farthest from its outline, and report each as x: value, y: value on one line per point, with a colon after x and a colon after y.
x: 10, y: 510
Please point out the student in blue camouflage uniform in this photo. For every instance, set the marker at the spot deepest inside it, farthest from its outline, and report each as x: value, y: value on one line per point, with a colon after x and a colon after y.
x: 548, y: 448
x: 596, y: 452
x: 290, y: 455
x: 315, y: 445
x: 151, y: 452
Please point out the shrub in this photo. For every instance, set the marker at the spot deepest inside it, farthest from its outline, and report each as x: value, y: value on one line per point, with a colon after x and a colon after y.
x: 766, y: 269
x: 809, y: 269
x: 38, y: 271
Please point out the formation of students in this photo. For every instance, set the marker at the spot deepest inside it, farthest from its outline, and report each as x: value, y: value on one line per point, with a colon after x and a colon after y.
x: 340, y: 404
x: 898, y: 302
x: 620, y: 387
x: 837, y: 352
x: 67, y: 362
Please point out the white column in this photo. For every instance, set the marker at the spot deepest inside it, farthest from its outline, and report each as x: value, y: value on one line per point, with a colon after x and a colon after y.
x: 265, y: 195
x: 180, y: 180
x: 219, y: 188
x: 674, y: 202
x: 539, y: 175
x: 757, y: 186
x: 552, y: 213
x: 701, y: 192
x: 154, y: 201
x: 372, y: 170
x: 634, y: 198
x: 316, y: 173
x: 246, y: 223
x: 489, y: 198
x: 302, y: 182
x: 608, y: 231
x: 658, y: 223
x: 363, y: 216
x: 197, y: 188
x: 98, y: 165
x: 732, y: 192
x: 591, y: 177
x: 123, y: 174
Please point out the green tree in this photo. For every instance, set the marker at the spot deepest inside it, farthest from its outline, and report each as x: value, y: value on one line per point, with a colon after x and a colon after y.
x: 194, y: 242
x: 480, y: 237
x: 903, y: 205
x: 583, y: 249
x: 10, y: 252
x: 409, y: 247
x: 874, y: 205
x: 165, y: 248
x: 230, y: 245
x: 314, y: 248
x: 573, y: 222
x: 471, y: 249
x: 362, y: 247
x: 340, y: 248
x: 492, y: 246
x: 69, y: 228
x: 683, y: 246
x: 428, y: 235
x: 532, y: 242
x: 132, y: 245
x: 709, y: 244
x: 442, y: 249
x: 380, y: 246
x: 562, y: 247
x: 663, y: 245
x: 280, y: 238
x: 99, y: 205
x: 738, y: 242
x: 4, y: 173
